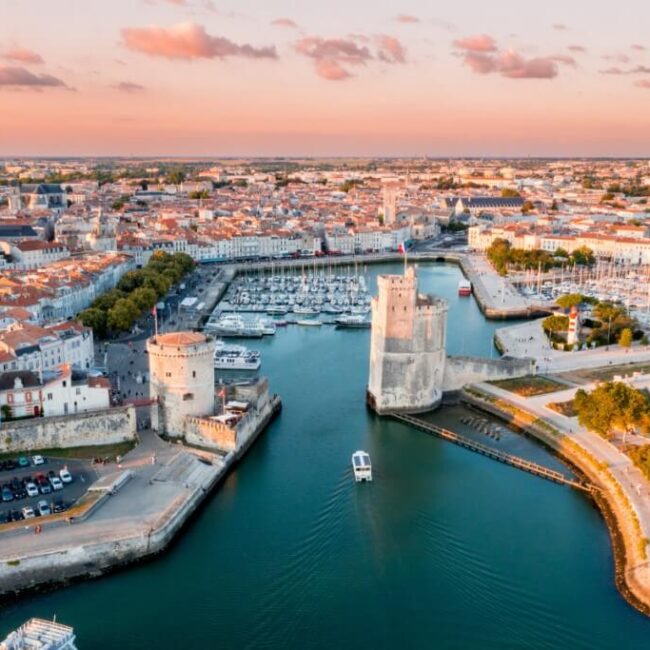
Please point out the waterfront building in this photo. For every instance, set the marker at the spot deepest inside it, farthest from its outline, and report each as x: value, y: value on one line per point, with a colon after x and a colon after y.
x: 181, y: 366
x: 407, y: 353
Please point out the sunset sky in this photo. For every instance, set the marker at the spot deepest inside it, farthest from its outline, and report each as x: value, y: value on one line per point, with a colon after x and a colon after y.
x: 279, y: 77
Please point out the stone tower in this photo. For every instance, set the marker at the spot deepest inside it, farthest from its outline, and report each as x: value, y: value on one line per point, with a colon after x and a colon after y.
x: 181, y: 366
x: 390, y: 190
x: 407, y: 353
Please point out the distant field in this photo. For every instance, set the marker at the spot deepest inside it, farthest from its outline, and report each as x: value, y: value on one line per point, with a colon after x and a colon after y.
x: 529, y: 386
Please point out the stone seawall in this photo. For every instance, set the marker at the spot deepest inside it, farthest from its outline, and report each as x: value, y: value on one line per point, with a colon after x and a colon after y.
x: 632, y: 573
x: 105, y: 427
x: 43, y: 570
x: 460, y: 371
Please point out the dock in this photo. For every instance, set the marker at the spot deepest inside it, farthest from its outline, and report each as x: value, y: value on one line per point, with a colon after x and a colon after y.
x: 494, y: 454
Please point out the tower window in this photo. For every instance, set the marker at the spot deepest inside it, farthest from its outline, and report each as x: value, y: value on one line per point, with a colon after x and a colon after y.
x: 188, y: 397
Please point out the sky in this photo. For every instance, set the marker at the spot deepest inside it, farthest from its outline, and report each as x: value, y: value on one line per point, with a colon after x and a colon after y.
x: 339, y: 78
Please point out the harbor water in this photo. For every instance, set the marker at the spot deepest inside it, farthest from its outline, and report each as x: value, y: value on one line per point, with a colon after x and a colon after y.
x: 444, y: 549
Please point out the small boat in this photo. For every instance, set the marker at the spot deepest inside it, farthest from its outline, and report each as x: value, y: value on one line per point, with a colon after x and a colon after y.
x: 309, y: 323
x: 352, y: 321
x: 39, y: 633
x: 361, y: 466
x: 464, y: 288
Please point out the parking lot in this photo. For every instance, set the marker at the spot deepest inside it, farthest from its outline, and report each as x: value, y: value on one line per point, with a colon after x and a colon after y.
x: 14, y: 481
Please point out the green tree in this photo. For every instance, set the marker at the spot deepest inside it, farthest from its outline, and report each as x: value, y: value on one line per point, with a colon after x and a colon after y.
x: 107, y: 300
x: 527, y: 207
x: 612, y: 406
x: 569, y: 300
x: 625, y: 337
x: 122, y: 315
x: 143, y: 298
x: 583, y: 256
x: 555, y: 323
x: 130, y: 281
x: 508, y: 193
x: 95, y: 319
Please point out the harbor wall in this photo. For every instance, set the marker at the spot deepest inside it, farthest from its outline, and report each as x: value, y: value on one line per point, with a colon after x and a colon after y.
x: 461, y: 371
x: 629, y: 544
x: 28, y: 572
x: 105, y: 427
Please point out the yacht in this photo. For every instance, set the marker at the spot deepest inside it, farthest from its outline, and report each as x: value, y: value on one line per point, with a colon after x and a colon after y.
x: 361, y: 466
x: 236, y: 357
x: 309, y: 323
x: 306, y: 310
x: 352, y: 321
x: 233, y: 325
x: 42, y: 634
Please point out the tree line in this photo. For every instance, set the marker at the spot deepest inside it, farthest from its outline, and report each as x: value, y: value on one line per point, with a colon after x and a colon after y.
x: 503, y: 257
x: 136, y: 292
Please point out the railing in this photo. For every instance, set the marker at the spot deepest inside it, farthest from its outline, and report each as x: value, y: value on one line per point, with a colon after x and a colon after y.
x: 495, y: 454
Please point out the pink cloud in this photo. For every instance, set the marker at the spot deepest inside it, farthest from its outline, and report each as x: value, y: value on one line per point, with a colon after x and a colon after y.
x: 643, y: 83
x: 514, y: 66
x: 577, y: 48
x: 638, y: 48
x: 406, y: 18
x: 284, y: 22
x: 617, y: 58
x: 22, y: 55
x: 390, y: 50
x: 560, y: 27
x: 639, y: 69
x: 188, y: 41
x: 128, y: 87
x: 478, y: 43
x: 331, y: 70
x: 16, y: 77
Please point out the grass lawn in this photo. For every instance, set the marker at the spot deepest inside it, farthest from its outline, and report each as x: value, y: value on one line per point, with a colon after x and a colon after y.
x: 563, y: 408
x: 529, y: 386
x: 99, y: 451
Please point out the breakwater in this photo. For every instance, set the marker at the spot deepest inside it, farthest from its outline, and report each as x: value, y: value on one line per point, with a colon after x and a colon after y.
x: 629, y: 544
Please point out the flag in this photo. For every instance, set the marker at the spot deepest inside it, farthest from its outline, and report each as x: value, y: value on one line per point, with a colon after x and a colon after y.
x: 222, y: 392
x: 154, y: 311
x: 401, y: 248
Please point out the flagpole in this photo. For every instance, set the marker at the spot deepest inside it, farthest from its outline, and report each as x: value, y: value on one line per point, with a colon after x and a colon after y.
x: 155, y: 319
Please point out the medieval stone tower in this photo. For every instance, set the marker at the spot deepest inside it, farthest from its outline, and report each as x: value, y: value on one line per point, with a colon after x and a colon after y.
x: 181, y: 365
x: 407, y: 353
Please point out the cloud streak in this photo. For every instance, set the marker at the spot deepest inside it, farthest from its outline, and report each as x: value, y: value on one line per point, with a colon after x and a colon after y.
x: 128, y: 87
x: 285, y: 22
x: 23, y: 55
x: 406, y: 19
x: 477, y: 43
x: 17, y: 77
x: 188, y: 41
x: 333, y: 57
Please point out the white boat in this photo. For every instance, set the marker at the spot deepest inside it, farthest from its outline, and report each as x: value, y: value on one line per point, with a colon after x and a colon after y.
x: 361, y: 466
x: 42, y: 635
x: 464, y: 288
x: 309, y: 323
x: 236, y: 357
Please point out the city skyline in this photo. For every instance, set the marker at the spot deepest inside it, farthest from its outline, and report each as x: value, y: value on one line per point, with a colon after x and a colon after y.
x: 225, y: 78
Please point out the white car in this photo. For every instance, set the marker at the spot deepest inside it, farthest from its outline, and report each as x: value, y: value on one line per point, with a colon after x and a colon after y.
x: 65, y: 475
x: 56, y: 483
x: 38, y: 460
x: 31, y: 489
x: 44, y: 508
x: 28, y: 512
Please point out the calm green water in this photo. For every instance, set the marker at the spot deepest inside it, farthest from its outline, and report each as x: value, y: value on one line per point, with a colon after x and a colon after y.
x: 445, y: 549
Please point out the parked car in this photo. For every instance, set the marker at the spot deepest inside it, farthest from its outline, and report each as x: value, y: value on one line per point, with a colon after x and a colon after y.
x: 65, y: 476
x: 44, y: 508
x: 60, y: 506
x: 10, y: 464
x: 56, y: 483
x: 44, y: 487
x: 38, y: 460
x: 28, y: 512
x: 23, y: 461
x: 7, y: 494
x: 31, y: 489
x: 16, y: 515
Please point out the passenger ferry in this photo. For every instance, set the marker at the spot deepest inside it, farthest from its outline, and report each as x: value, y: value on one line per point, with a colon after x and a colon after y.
x: 352, y: 321
x: 361, y: 466
x: 41, y: 634
x: 236, y: 357
x: 464, y: 288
